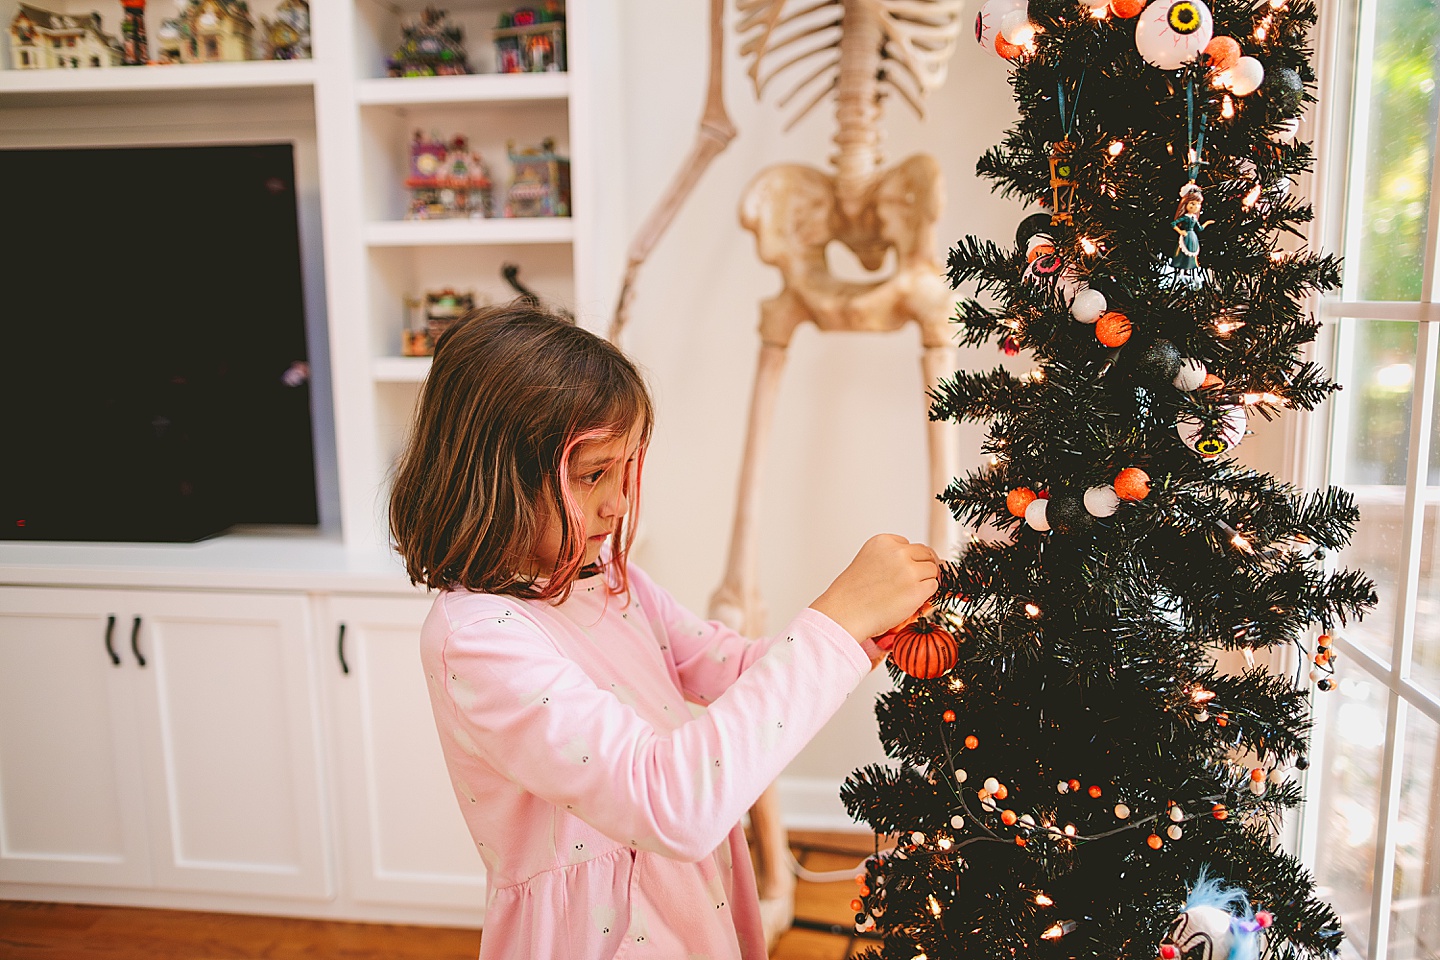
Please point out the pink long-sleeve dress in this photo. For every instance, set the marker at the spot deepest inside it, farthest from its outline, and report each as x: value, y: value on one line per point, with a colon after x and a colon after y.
x: 605, y: 811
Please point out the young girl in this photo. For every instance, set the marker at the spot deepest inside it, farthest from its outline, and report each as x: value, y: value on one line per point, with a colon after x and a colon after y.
x: 605, y: 811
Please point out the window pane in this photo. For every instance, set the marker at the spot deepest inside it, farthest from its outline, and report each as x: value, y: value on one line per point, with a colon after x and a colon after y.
x: 1425, y: 658
x: 1377, y: 365
x: 1415, y: 903
x: 1402, y: 102
x: 1353, y: 727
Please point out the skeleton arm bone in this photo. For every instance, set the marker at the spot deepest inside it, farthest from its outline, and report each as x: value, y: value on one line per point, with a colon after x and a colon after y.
x: 715, y: 133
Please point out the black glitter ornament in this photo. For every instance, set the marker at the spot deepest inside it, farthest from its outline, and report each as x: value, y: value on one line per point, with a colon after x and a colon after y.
x: 1158, y: 363
x: 1285, y: 91
x: 1068, y: 515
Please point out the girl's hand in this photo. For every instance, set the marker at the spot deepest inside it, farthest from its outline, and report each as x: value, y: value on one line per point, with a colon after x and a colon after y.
x: 888, y: 579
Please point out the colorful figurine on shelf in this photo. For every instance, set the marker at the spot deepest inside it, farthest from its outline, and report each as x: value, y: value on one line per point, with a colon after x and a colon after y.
x: 447, y: 180
x: 132, y: 32
x: 430, y: 48
x: 207, y: 31
x: 540, y: 186
x: 530, y: 40
x: 287, y: 35
x: 1187, y: 224
x: 41, y: 40
x: 442, y: 309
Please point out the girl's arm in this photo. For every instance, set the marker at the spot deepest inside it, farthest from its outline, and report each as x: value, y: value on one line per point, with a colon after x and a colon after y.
x: 502, y: 692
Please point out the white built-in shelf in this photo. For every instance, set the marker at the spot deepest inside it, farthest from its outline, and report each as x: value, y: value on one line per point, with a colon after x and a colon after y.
x: 449, y: 233
x: 480, y: 88
x: 399, y: 369
x: 195, y: 81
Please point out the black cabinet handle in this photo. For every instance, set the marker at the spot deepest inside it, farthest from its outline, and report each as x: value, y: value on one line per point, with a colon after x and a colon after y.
x: 135, y: 642
x: 344, y: 667
x: 110, y: 640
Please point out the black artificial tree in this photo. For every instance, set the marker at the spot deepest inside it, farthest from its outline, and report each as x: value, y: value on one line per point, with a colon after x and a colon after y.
x: 1059, y: 790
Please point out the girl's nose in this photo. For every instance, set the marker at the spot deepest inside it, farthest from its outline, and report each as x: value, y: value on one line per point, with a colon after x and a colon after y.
x: 616, y: 503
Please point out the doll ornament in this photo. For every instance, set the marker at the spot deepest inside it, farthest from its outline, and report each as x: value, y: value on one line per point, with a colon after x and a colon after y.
x: 1187, y: 224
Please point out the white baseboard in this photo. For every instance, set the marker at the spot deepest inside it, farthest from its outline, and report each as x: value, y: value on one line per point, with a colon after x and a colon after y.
x: 813, y: 803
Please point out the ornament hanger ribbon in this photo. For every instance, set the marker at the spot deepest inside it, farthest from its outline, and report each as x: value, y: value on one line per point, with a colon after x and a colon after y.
x: 1194, y: 145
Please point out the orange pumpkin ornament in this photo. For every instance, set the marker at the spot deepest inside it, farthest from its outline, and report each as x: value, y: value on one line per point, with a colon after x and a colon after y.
x: 1018, y: 499
x: 1132, y: 483
x: 1113, y: 329
x: 924, y: 650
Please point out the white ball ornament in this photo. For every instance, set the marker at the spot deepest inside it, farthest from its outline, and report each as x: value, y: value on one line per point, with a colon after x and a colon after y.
x: 1246, y: 76
x: 1088, y: 306
x: 1192, y: 374
x: 961, y: 776
x: 1122, y: 812
x: 1102, y: 501
x: 1062, y: 786
x: 1035, y: 515
x: 1171, y: 33
x: 1176, y: 813
x: 1257, y: 787
x: 957, y: 822
x: 1174, y: 832
x: 992, y: 785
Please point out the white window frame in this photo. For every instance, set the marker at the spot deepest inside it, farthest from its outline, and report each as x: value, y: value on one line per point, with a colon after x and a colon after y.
x: 1340, y: 136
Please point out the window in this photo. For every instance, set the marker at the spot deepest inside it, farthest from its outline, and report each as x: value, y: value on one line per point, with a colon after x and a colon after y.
x: 1371, y: 828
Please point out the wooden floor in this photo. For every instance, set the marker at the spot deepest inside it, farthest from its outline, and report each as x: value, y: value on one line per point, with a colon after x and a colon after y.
x: 50, y: 931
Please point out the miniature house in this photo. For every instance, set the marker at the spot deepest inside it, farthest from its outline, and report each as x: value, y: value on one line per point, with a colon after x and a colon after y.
x: 212, y: 31
x: 41, y: 40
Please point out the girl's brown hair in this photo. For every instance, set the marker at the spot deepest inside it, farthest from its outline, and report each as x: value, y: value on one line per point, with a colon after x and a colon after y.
x: 512, y: 391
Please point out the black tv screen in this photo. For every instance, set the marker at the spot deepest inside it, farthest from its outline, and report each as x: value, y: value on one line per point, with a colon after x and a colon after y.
x: 156, y: 385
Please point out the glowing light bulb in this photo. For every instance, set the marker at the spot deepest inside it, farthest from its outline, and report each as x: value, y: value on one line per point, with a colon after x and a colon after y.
x: 1116, y: 148
x: 1242, y: 544
x: 945, y: 843
x: 1251, y: 197
x: 1260, y: 33
x: 934, y: 905
x: 1227, y: 107
x: 1032, y: 611
x: 1088, y: 245
x: 1043, y: 900
x: 1201, y: 695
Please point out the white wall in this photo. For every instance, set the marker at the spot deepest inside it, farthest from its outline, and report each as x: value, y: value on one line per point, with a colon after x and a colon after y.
x: 847, y: 458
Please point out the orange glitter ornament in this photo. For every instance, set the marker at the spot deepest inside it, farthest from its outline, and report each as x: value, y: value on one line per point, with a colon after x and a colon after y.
x: 1219, y: 812
x: 1155, y: 842
x: 971, y: 742
x: 1132, y: 483
x: 1018, y: 499
x: 1223, y: 52
x: 1074, y: 786
x: 1095, y: 792
x: 1113, y: 329
x: 1019, y: 841
x: 1005, y: 48
x: 1002, y: 792
x: 1257, y: 774
x: 948, y: 716
x: 1127, y: 8
x: 1008, y: 818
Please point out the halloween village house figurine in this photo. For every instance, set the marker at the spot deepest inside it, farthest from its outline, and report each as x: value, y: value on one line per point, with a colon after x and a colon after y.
x: 447, y: 180
x: 430, y: 47
x: 42, y: 40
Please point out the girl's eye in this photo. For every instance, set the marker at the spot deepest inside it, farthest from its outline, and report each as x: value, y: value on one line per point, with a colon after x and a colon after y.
x: 593, y: 477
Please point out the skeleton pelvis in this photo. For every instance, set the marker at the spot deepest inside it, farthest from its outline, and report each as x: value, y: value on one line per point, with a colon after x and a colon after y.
x: 796, y: 211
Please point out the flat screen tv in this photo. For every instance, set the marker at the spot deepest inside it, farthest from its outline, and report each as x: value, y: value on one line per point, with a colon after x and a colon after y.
x: 156, y: 380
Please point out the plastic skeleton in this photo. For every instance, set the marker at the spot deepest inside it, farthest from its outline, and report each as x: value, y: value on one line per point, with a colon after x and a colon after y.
x: 859, y: 50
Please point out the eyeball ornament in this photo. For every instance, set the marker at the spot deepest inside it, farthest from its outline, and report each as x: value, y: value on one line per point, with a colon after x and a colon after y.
x: 988, y: 25
x: 1171, y: 33
x: 1212, y: 434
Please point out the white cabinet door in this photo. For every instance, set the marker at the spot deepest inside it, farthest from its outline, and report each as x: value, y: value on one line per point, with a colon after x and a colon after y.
x: 405, y: 840
x: 230, y: 737
x: 72, y: 809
